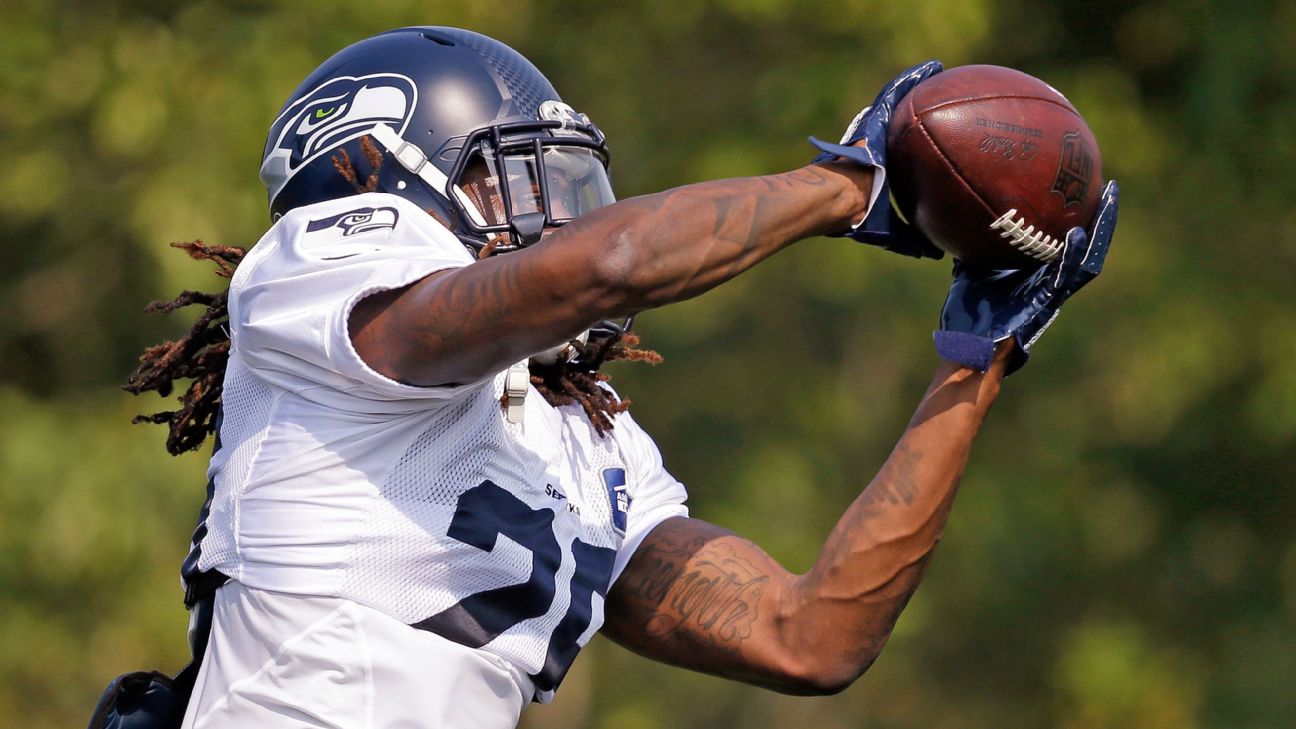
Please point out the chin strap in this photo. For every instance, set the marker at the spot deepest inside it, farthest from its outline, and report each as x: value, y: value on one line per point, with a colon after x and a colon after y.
x: 412, y: 158
x: 516, y: 384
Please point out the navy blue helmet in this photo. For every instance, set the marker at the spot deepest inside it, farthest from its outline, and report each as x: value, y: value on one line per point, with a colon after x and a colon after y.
x: 467, y: 129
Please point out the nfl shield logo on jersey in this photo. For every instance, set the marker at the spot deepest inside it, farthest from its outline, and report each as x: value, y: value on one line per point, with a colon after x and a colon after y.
x: 618, y: 497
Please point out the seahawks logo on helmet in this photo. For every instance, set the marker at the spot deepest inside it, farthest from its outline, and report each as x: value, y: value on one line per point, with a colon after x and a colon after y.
x: 337, y: 111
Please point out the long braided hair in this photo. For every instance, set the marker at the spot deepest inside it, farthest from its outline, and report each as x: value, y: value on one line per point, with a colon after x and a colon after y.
x: 202, y: 353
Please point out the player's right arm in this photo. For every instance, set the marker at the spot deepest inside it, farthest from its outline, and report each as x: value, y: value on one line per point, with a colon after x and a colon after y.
x: 456, y: 326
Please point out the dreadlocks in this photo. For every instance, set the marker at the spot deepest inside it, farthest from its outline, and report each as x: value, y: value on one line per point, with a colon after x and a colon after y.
x: 342, y: 163
x: 577, y: 381
x: 201, y: 355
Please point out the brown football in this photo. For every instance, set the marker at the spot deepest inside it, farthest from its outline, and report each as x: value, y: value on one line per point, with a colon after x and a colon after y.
x: 993, y: 165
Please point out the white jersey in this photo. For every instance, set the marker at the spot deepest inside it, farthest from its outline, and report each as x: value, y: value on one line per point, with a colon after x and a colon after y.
x: 423, y: 502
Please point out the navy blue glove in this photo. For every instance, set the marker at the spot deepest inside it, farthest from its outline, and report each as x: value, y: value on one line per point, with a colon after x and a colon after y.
x: 883, y: 227
x: 987, y: 306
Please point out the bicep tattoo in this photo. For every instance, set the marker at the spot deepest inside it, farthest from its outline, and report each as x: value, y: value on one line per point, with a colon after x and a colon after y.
x: 694, y: 591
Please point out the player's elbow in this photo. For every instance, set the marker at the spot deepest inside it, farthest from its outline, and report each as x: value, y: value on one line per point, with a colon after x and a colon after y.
x: 823, y: 675
x: 822, y: 655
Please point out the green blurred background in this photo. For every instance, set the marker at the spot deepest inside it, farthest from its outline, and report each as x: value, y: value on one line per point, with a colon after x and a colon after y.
x: 1123, y: 552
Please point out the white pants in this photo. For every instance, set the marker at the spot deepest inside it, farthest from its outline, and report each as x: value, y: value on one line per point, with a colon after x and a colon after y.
x: 279, y: 661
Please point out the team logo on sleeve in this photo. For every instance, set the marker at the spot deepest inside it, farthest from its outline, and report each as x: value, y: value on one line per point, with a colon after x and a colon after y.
x: 618, y: 497
x: 336, y: 112
x: 355, y: 222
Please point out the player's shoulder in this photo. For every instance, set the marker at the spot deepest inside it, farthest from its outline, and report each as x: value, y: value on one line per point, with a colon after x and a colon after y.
x: 361, y: 226
x: 626, y: 434
x: 322, y: 255
x: 370, y: 222
x: 638, y: 451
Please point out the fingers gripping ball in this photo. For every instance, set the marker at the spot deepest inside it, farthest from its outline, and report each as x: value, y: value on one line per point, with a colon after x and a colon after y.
x: 865, y: 144
x: 986, y: 305
x: 994, y: 166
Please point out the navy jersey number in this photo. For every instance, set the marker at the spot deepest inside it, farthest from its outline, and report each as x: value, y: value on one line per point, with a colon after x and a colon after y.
x: 485, y: 512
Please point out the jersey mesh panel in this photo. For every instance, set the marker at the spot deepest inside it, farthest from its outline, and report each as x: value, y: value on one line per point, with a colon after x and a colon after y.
x: 591, y: 456
x: 240, y: 439
x: 419, y: 498
x: 405, y: 565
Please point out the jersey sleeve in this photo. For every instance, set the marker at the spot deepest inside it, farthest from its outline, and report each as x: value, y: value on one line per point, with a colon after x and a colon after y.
x: 292, y: 297
x: 655, y: 495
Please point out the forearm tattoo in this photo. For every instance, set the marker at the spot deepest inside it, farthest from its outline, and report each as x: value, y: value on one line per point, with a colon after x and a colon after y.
x: 461, y: 325
x: 708, y: 233
x: 898, y: 483
x: 747, y: 212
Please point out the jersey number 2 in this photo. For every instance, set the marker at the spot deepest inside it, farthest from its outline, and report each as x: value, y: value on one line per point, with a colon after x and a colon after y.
x: 485, y: 512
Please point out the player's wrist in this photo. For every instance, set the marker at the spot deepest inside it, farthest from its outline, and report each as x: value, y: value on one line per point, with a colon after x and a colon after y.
x: 849, y: 194
x: 955, y: 383
x: 1004, y: 352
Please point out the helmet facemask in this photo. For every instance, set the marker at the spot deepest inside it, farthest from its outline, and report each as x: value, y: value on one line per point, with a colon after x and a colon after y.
x: 512, y: 181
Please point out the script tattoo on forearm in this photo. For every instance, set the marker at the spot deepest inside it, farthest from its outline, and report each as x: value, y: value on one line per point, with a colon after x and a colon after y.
x: 708, y: 599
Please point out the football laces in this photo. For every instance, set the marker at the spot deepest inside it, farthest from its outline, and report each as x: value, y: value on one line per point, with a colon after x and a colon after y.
x: 1026, y: 238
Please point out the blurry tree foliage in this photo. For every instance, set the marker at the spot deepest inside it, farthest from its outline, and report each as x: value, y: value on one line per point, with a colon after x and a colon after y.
x: 1123, y: 553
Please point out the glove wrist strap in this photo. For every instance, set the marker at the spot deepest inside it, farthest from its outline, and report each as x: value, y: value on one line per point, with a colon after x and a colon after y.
x: 966, y: 349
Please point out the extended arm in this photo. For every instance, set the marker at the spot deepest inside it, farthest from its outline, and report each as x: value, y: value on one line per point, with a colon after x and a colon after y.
x: 699, y: 596
x: 635, y: 254
x: 644, y: 252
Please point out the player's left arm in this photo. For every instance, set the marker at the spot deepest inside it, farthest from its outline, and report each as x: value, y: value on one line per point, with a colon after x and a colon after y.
x: 697, y: 595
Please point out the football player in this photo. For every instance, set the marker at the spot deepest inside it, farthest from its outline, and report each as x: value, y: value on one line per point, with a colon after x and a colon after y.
x: 425, y: 498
